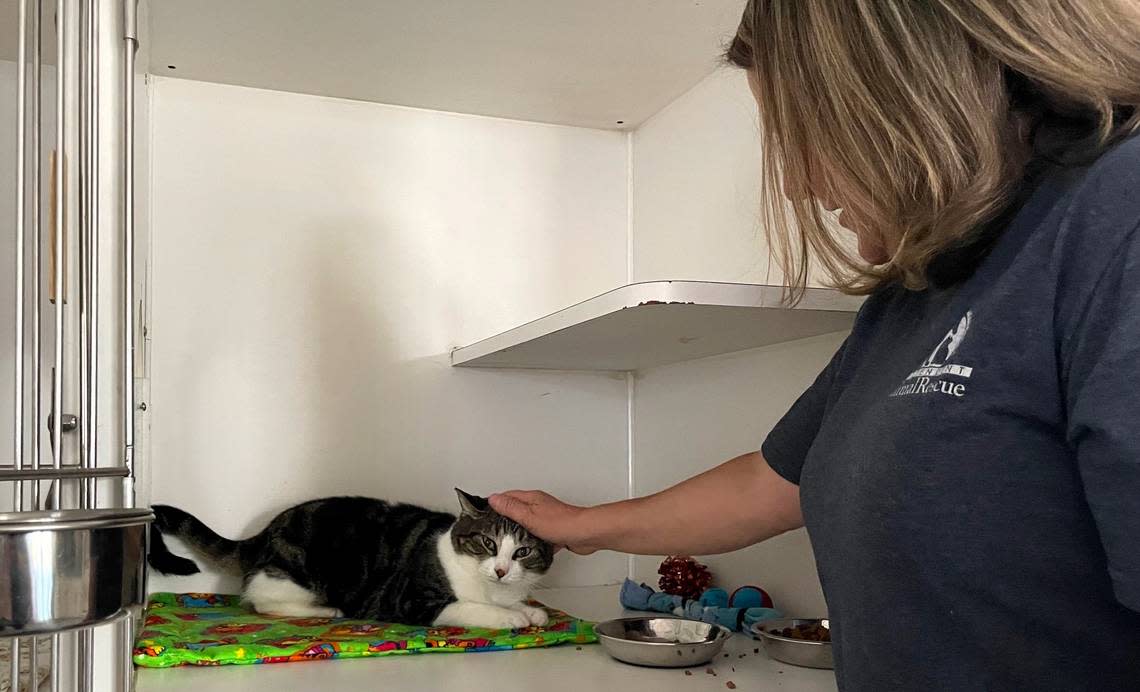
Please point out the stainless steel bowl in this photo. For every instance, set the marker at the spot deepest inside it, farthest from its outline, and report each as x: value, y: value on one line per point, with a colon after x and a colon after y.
x: 798, y: 652
x: 72, y: 568
x: 661, y: 642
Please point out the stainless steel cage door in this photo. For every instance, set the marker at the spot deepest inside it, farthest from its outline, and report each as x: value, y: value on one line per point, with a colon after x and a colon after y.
x: 73, y: 581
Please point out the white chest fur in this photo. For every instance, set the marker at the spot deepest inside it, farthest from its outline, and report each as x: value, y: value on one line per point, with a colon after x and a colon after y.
x: 480, y: 600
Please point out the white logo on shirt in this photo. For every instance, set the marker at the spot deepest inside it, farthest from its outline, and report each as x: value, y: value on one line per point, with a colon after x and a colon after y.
x: 929, y: 378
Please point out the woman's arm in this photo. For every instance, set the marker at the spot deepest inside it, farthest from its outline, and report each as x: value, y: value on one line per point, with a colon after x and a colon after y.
x: 741, y: 502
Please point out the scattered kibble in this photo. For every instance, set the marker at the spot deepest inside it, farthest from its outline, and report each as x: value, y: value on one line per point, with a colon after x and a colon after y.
x: 710, y: 671
x: 743, y: 655
x: 577, y: 648
x: 688, y: 672
x: 726, y: 655
x: 730, y: 685
x: 756, y: 651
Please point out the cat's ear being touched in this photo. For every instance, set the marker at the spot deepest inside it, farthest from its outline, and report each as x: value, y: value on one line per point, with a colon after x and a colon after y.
x: 472, y: 505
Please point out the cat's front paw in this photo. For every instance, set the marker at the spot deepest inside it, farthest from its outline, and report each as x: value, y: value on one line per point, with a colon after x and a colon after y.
x: 535, y: 616
x: 484, y: 615
x: 510, y: 620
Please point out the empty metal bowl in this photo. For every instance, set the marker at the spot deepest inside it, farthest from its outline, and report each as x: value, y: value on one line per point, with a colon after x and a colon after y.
x: 798, y: 652
x: 661, y: 642
x: 72, y: 568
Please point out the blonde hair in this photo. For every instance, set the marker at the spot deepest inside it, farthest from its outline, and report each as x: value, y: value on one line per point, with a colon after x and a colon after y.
x: 917, y: 115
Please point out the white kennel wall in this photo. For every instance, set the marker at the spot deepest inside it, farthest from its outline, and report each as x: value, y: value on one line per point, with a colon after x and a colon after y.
x: 696, y: 168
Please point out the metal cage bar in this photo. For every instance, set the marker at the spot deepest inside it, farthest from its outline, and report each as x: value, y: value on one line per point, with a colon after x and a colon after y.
x: 58, y: 220
x: 37, y: 244
x: 130, y: 45
x: 21, y: 199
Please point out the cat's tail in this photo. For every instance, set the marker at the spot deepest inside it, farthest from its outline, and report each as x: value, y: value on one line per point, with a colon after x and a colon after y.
x: 171, y: 521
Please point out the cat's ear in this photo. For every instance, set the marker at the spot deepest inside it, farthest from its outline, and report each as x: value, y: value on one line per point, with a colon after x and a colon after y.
x: 472, y: 505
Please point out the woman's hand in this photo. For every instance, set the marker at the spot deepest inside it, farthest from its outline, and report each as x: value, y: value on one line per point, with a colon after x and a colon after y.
x: 546, y: 517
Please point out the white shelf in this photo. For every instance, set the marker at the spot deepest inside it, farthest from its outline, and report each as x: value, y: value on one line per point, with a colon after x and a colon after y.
x: 646, y: 324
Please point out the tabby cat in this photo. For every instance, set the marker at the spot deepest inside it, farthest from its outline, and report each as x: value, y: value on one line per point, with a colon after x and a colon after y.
x: 364, y: 558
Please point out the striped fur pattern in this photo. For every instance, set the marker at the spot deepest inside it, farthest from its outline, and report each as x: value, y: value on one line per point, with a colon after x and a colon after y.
x: 367, y: 558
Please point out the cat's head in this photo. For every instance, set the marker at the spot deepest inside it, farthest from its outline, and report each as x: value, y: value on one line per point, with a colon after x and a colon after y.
x: 504, y: 551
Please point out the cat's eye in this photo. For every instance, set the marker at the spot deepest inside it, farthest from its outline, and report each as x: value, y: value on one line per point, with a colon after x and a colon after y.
x: 489, y: 545
x: 521, y: 553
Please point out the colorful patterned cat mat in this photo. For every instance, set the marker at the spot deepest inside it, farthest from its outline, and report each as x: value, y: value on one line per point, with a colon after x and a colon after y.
x: 198, y: 629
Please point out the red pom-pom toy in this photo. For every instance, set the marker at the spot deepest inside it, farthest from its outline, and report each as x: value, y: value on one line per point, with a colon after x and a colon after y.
x: 683, y: 576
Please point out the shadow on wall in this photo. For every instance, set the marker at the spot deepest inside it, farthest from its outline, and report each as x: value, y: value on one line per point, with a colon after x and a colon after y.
x: 297, y: 400
x: 364, y: 399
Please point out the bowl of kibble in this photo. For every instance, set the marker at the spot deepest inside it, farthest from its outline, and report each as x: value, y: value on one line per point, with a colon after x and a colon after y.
x: 801, y: 642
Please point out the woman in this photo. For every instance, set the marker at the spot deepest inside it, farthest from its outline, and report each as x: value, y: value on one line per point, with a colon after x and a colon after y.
x: 968, y: 464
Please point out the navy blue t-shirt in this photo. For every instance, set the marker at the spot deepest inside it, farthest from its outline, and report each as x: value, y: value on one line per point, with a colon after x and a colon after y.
x: 969, y: 461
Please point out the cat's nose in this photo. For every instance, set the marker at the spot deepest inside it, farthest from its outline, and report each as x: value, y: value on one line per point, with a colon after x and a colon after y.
x: 500, y: 572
